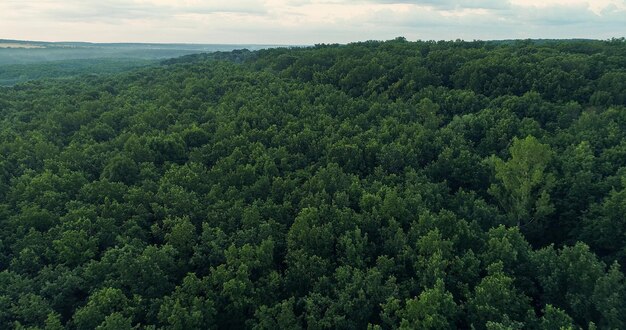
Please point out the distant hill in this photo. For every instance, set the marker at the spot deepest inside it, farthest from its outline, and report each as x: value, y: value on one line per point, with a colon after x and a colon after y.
x: 25, y: 52
x: 22, y: 60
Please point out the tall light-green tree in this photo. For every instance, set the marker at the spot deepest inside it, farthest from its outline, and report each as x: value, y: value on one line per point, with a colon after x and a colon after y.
x: 523, y: 182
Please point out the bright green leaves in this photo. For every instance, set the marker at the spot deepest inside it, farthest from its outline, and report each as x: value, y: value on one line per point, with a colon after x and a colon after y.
x: 30, y: 309
x: 524, y: 182
x: 190, y: 306
x: 279, y: 316
x: 182, y: 235
x: 75, y: 247
x: 433, y: 309
x: 554, y: 318
x: 496, y: 299
x: 101, y: 306
x: 115, y: 321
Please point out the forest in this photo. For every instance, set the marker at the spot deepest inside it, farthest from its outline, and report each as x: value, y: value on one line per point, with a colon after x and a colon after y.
x: 12, y: 74
x: 374, y: 185
x: 21, y: 61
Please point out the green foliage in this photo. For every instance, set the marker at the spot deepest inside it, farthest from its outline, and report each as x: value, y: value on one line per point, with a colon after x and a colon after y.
x: 121, y: 169
x: 15, y: 73
x: 379, y: 185
x: 554, y: 318
x: 496, y: 300
x: 115, y: 321
x: 191, y: 306
x: 101, y: 310
x: 433, y: 309
x: 524, y: 188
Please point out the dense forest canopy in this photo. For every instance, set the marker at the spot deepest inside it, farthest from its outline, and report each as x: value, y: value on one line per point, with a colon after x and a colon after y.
x: 21, y: 61
x: 381, y: 185
x: 12, y: 74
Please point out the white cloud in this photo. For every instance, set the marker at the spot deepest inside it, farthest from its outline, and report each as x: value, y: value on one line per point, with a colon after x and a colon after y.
x: 308, y: 21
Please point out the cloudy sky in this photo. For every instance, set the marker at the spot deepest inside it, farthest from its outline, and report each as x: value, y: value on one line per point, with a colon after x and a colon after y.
x: 307, y: 21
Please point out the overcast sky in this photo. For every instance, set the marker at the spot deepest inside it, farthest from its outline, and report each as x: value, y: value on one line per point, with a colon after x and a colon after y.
x: 307, y: 21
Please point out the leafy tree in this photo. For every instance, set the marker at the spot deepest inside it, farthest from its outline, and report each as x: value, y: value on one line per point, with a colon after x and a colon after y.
x: 608, y: 297
x: 101, y: 308
x: 280, y: 316
x: 121, y: 169
x: 433, y: 309
x: 496, y: 299
x: 554, y: 318
x: 31, y: 309
x: 191, y: 306
x: 523, y: 187
x: 115, y: 321
x: 182, y: 235
x: 568, y: 278
x: 75, y: 247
